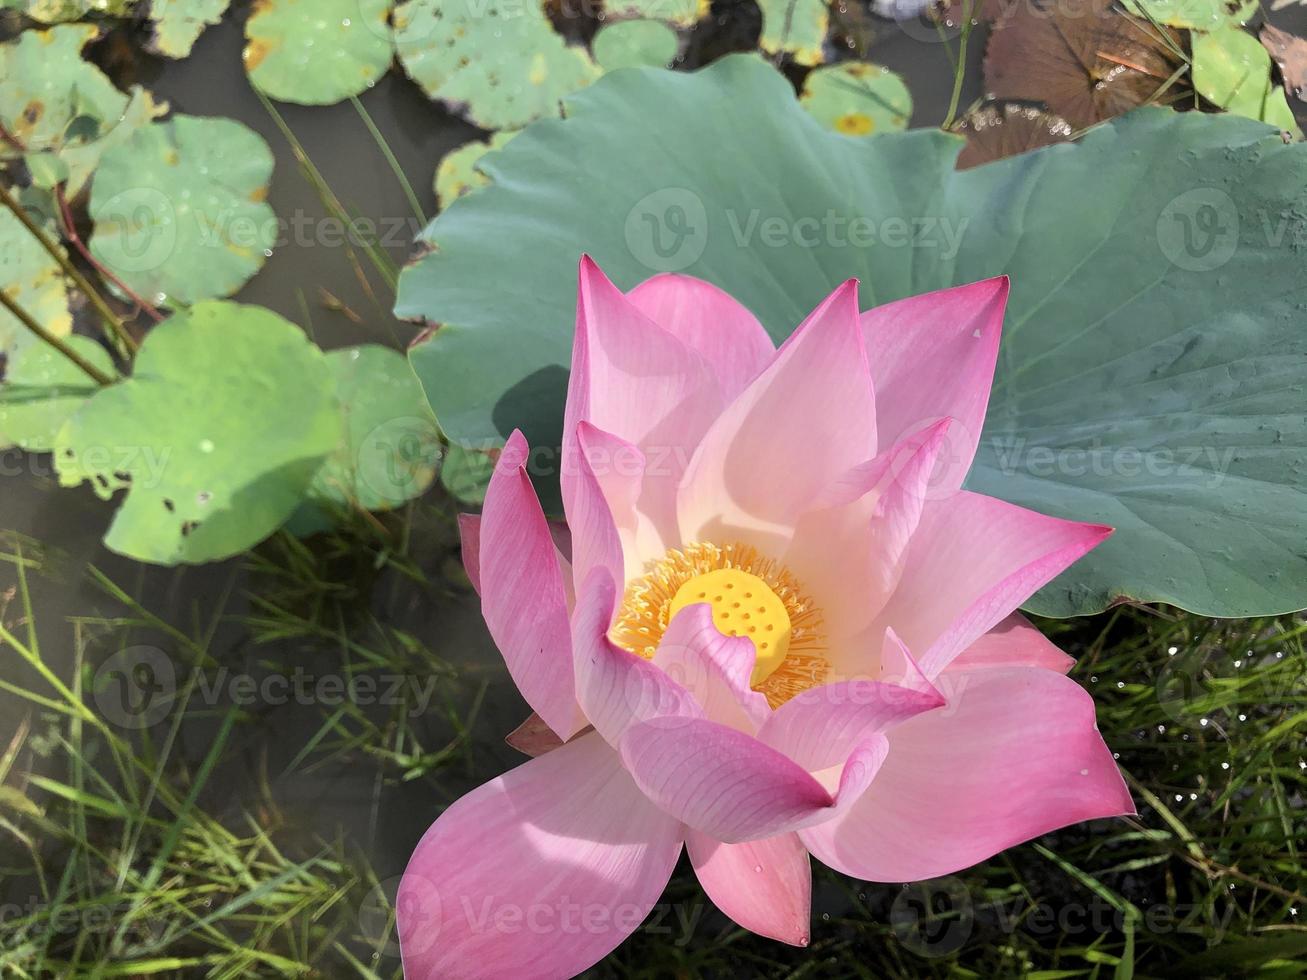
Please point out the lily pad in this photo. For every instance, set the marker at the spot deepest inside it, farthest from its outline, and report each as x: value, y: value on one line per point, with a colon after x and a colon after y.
x: 78, y: 161
x: 465, y: 474
x: 50, y: 98
x: 632, y: 43
x: 795, y: 27
x: 179, y: 23
x: 458, y: 173
x: 391, y: 446
x: 42, y: 389
x: 1233, y: 70
x: 317, y: 52
x: 681, y: 13
x: 996, y: 130
x: 1198, y: 15
x: 62, y: 11
x: 33, y: 279
x: 1153, y: 372
x: 1086, y: 62
x: 857, y: 99
x: 228, y: 414
x: 500, y: 62
x: 179, y: 209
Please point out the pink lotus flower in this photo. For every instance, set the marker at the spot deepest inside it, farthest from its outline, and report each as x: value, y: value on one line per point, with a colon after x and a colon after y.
x: 779, y: 628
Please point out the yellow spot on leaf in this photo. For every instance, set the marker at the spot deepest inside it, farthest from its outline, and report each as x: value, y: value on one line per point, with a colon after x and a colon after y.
x: 855, y: 124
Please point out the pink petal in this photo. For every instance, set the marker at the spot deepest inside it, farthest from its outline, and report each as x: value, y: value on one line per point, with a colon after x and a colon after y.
x: 616, y: 688
x: 764, y: 885
x: 898, y: 666
x: 710, y: 321
x: 1015, y: 754
x: 822, y: 727
x: 972, y: 561
x: 469, y: 533
x: 637, y: 381
x: 731, y: 786
x: 871, y: 512
x: 603, y: 504
x: 933, y: 356
x: 804, y: 421
x: 714, y: 668
x: 1015, y: 642
x: 537, y: 874
x: 523, y: 597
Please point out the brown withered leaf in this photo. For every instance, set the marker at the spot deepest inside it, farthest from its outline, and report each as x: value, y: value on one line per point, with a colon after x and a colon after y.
x: 1086, y: 62
x: 1003, y: 129
x: 1289, y: 52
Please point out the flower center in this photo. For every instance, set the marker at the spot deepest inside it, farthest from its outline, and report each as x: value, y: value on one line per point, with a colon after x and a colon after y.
x: 742, y: 605
x: 751, y: 596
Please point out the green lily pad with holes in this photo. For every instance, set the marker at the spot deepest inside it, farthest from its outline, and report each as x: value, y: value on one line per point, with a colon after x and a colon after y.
x: 465, y: 474
x: 681, y: 13
x: 50, y: 98
x: 216, y: 436
x: 1153, y: 371
x: 797, y: 28
x: 391, y: 446
x: 42, y: 389
x: 1198, y: 15
x: 317, y: 52
x: 857, y: 99
x: 33, y: 279
x: 179, y: 209
x: 62, y: 11
x: 458, y: 173
x: 635, y: 43
x: 499, y: 62
x: 179, y: 23
x: 1232, y: 69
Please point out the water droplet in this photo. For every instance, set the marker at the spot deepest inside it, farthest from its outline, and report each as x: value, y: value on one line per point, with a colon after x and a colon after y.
x: 206, y: 445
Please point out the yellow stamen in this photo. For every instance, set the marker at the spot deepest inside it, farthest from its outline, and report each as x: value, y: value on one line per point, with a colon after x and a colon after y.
x: 750, y: 595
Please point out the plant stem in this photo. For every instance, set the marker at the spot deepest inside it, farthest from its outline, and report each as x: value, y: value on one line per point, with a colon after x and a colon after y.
x: 393, y: 162
x: 107, y: 315
x: 961, y: 68
x: 70, y: 233
x: 25, y: 318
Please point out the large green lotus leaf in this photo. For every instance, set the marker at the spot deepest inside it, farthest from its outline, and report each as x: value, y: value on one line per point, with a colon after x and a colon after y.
x: 50, y: 98
x: 1154, y: 369
x: 228, y: 414
x: 391, y: 446
x: 179, y: 209
x: 499, y: 61
x: 1232, y: 69
x: 795, y: 27
x: 179, y: 23
x: 30, y: 277
x: 42, y: 389
x: 857, y: 99
x: 317, y: 52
